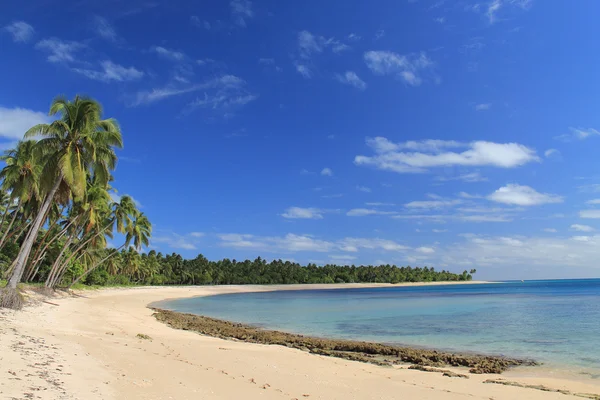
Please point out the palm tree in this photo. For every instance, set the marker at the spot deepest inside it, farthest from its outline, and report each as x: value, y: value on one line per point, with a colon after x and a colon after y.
x: 75, y: 145
x: 20, y: 176
x: 137, y: 230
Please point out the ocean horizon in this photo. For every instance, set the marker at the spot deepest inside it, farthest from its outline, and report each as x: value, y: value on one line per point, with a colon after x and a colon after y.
x: 555, y: 322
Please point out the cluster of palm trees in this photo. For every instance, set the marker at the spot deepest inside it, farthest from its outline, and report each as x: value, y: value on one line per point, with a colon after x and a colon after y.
x: 55, y: 199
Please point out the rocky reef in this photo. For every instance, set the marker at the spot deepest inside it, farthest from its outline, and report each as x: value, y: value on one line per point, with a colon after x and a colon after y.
x: 373, y: 353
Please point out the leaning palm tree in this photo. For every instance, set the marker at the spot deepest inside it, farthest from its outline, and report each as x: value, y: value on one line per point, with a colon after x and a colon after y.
x: 20, y: 176
x: 79, y: 143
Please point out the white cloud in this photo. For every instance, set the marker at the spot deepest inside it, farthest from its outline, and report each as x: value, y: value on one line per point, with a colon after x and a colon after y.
x: 326, y: 172
x: 200, y: 23
x: 20, y: 31
x: 304, y: 71
x: 582, y: 228
x: 483, y: 107
x: 241, y: 10
x: 551, y: 153
x: 439, y: 230
x: 425, y: 250
x: 589, y: 214
x: 594, y: 201
x: 350, y: 78
x: 176, y: 241
x: 363, y: 189
x: 494, y: 7
x: 104, y: 29
x: 226, y: 91
x: 374, y: 204
x: 578, y: 133
x: 460, y: 217
x: 197, y: 234
x: 363, y: 212
x: 379, y: 34
x: 434, y: 153
x: 405, y: 67
x: 432, y: 204
x: 544, y: 253
x: 354, y: 244
x: 59, y: 51
x: 342, y: 257
x: 288, y: 243
x: 522, y: 196
x: 469, y: 177
x: 303, y: 213
x: 550, y: 230
x: 14, y: 122
x: 310, y: 44
x: 266, y: 61
x: 111, y: 72
x: 169, y: 54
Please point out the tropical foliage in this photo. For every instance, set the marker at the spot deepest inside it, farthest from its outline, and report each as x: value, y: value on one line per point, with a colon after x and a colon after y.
x: 57, y: 211
x: 59, y: 216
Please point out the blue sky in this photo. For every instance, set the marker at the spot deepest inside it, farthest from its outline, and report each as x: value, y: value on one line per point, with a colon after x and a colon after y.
x: 453, y: 134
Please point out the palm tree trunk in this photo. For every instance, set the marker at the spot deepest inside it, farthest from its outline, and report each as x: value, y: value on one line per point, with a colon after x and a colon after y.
x: 74, y: 253
x: 80, y: 277
x: 8, y: 299
x: 12, y: 221
x: 55, y: 266
x: 31, y: 265
x: 38, y: 259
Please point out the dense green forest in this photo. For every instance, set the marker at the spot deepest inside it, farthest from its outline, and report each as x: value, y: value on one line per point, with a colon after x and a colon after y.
x: 58, y: 210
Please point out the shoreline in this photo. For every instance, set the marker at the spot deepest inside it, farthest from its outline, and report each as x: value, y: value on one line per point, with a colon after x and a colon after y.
x: 87, y: 347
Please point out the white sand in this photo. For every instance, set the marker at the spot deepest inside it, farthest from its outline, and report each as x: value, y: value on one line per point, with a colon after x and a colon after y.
x: 86, y: 348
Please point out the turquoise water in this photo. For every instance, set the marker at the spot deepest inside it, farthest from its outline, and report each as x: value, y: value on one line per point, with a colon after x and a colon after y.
x: 555, y: 322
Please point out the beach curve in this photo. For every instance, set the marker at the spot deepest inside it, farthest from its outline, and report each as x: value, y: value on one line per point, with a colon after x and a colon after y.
x: 90, y: 350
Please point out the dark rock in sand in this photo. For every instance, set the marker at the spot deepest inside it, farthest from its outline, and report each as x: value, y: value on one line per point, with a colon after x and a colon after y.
x: 373, y: 353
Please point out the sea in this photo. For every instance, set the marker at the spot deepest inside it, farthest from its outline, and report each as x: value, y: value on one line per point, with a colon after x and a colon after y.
x: 556, y: 322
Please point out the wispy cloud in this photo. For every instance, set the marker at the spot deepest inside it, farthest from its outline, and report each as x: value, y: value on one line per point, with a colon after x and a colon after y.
x: 469, y: 178
x: 59, y: 51
x: 304, y: 71
x: 176, y: 241
x: 20, y: 31
x: 552, y: 153
x: 226, y: 91
x: 303, y: 213
x: 578, y: 133
x: 494, y: 7
x: 407, y: 68
x: 523, y: 196
x: 582, y: 228
x: 169, y: 54
x: 589, y: 214
x: 105, y: 29
x: 310, y: 44
x: 483, y: 106
x: 196, y: 21
x: 363, y: 189
x: 326, y: 172
x: 289, y: 243
x: 435, y: 153
x: 432, y: 204
x: 111, y: 72
x: 241, y: 10
x: 363, y: 212
x: 350, y: 78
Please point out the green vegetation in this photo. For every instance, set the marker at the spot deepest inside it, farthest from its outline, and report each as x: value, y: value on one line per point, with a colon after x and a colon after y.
x: 57, y: 214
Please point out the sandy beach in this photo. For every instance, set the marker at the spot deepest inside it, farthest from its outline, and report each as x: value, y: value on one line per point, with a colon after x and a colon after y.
x: 87, y: 347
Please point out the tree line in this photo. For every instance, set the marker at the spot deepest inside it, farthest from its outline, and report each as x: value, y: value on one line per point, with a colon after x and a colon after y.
x: 58, y: 215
